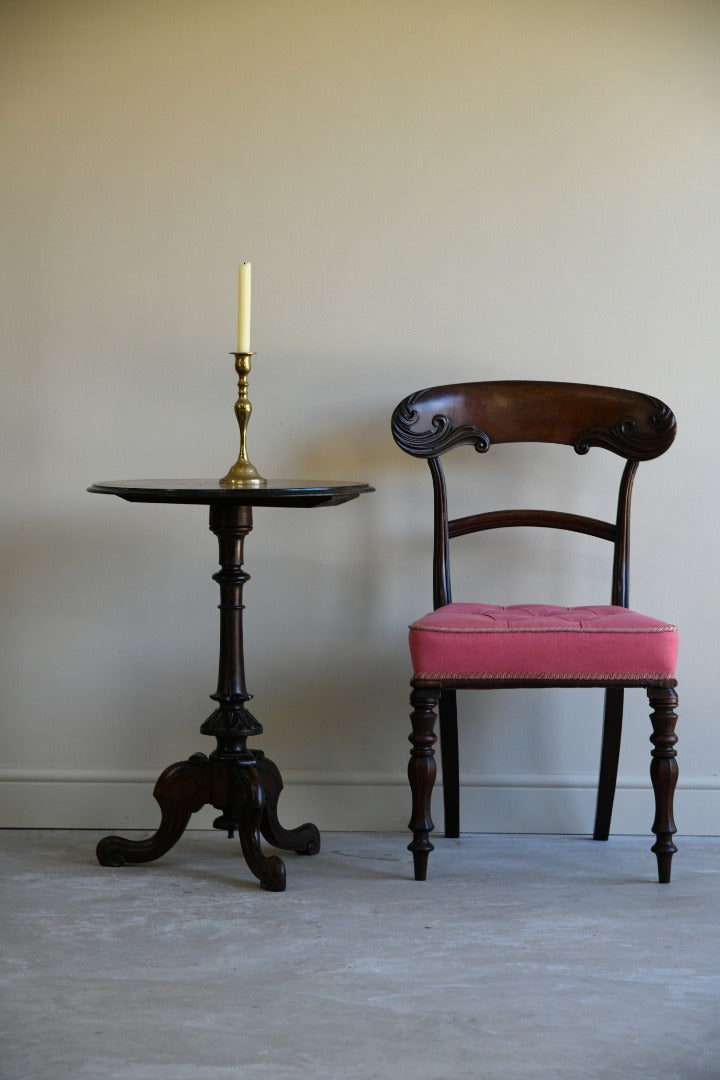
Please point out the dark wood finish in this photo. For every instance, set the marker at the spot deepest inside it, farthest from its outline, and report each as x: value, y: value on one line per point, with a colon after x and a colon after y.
x: 240, y: 782
x: 664, y: 774
x: 548, y: 519
x: 181, y: 790
x: 450, y: 761
x: 421, y: 772
x: 429, y: 423
x: 209, y: 492
x: 609, y: 759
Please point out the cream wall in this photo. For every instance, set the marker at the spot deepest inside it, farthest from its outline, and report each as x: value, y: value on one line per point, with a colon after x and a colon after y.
x: 428, y: 192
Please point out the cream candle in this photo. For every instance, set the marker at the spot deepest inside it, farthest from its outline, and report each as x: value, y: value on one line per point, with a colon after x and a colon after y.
x: 244, y: 287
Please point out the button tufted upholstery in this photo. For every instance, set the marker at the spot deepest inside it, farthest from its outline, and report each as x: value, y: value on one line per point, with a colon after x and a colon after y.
x: 541, y: 641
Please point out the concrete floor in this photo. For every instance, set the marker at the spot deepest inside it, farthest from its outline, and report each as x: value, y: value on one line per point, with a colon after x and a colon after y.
x: 520, y: 957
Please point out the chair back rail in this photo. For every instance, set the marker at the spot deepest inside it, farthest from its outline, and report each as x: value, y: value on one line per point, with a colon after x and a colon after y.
x: 635, y: 426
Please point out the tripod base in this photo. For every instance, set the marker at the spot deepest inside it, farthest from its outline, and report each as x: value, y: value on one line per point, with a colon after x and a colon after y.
x: 246, y: 788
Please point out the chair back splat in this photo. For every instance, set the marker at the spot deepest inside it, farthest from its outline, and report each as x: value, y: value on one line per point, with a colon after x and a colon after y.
x: 477, y: 645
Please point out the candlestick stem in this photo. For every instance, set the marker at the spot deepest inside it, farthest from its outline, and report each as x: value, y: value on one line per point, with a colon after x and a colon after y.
x: 243, y: 473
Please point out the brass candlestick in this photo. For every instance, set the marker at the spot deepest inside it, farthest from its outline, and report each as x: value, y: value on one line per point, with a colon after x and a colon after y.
x: 243, y: 473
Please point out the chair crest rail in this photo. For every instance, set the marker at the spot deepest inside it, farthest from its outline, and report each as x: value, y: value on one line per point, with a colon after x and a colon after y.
x: 635, y: 426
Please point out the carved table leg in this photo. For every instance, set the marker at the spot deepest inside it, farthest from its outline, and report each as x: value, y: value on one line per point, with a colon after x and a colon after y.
x: 664, y: 774
x: 181, y: 790
x: 421, y: 773
x: 305, y: 839
x: 270, y: 870
x: 236, y: 788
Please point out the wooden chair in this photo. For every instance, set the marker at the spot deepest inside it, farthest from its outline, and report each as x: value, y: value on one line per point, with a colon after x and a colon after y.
x: 480, y: 646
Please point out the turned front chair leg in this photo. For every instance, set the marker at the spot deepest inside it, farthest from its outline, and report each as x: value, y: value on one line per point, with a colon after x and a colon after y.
x: 421, y: 773
x: 664, y: 774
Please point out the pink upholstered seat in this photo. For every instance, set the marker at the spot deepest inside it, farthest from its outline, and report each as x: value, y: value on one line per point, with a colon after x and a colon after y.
x: 541, y: 641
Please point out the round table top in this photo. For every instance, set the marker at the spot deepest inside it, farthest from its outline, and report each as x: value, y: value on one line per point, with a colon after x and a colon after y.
x: 272, y: 493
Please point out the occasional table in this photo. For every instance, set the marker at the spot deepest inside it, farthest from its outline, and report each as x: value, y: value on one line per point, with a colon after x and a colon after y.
x: 240, y: 782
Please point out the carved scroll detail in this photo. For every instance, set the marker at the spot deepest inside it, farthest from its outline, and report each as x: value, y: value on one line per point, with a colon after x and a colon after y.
x: 626, y: 438
x: 441, y: 436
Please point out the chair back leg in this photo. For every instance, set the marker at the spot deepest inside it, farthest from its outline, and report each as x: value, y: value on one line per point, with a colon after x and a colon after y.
x: 609, y: 757
x: 450, y: 762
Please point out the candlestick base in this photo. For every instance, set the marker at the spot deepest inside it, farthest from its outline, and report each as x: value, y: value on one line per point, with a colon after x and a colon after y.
x: 243, y: 473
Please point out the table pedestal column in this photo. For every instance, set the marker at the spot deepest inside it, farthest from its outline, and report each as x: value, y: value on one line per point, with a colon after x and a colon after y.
x: 242, y: 783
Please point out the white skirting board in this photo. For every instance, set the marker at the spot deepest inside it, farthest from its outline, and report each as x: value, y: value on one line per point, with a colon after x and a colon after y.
x: 357, y: 802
